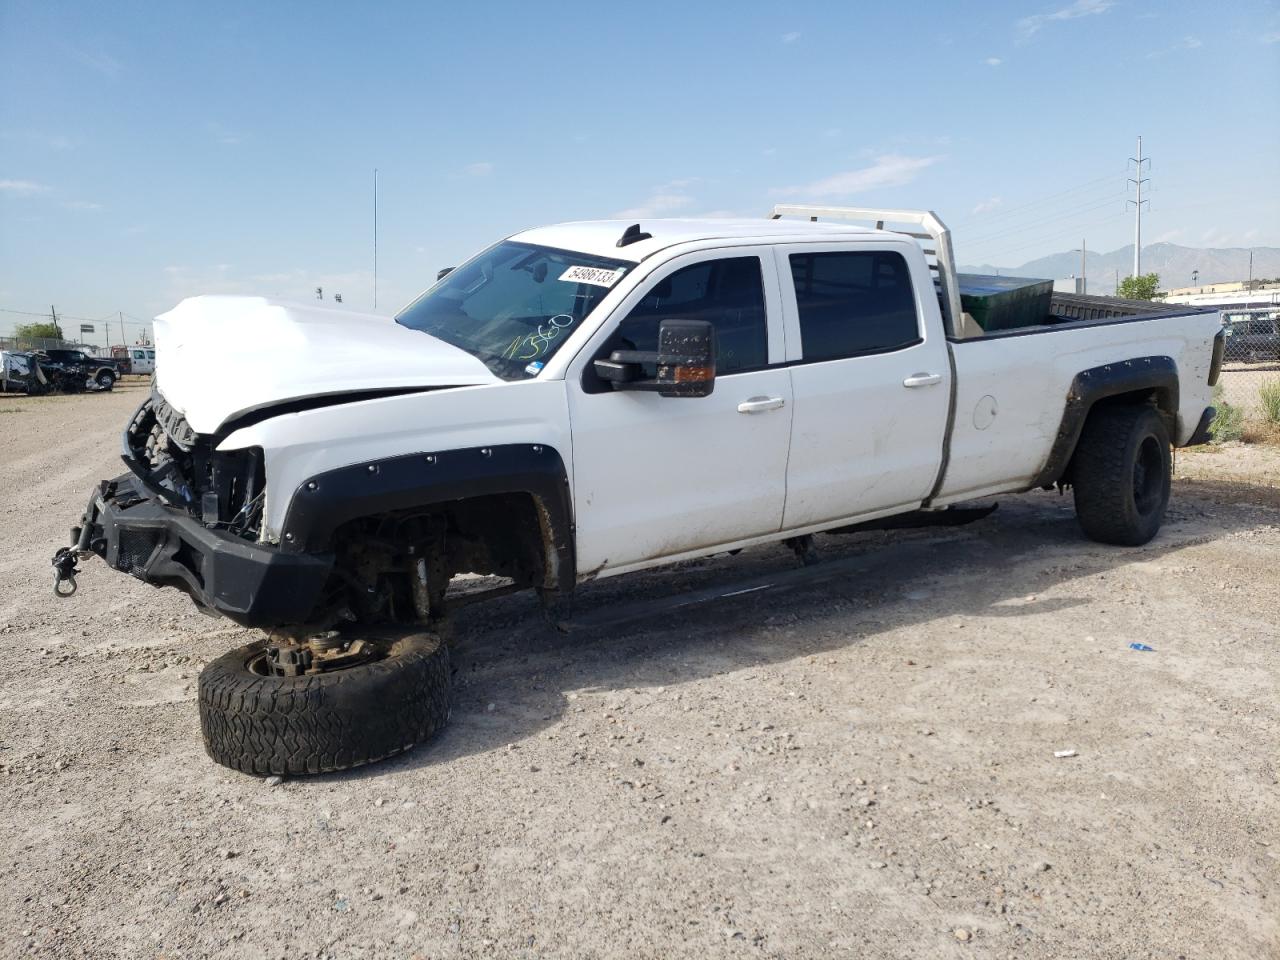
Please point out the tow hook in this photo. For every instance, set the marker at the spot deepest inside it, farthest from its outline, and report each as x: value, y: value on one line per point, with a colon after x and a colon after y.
x: 64, y: 571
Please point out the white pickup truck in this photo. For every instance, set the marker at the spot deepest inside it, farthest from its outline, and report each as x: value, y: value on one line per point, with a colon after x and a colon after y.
x: 588, y: 399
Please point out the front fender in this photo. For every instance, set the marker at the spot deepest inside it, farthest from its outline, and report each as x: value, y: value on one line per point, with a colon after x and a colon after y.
x: 326, y: 501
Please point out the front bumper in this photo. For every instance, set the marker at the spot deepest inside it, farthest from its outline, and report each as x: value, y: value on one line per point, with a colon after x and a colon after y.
x: 252, y: 584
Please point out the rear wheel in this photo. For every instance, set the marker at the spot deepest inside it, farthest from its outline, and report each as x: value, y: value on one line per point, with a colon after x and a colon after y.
x: 106, y: 380
x: 1121, y: 474
x: 378, y: 697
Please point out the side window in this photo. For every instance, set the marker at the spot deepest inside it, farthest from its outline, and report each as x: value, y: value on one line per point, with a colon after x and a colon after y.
x: 139, y: 355
x: 151, y: 354
x: 728, y: 292
x: 853, y: 303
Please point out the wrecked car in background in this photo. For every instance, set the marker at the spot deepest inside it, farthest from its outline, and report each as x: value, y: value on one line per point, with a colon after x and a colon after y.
x: 590, y: 399
x: 20, y: 373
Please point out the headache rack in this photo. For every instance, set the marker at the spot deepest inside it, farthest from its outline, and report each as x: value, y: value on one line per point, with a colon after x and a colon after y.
x: 920, y: 224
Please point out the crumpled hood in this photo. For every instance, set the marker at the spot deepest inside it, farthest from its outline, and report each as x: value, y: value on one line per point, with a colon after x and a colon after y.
x: 221, y: 356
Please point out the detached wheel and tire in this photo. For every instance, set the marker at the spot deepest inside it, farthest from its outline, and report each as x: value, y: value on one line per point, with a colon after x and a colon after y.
x: 261, y: 723
x: 106, y: 380
x: 1121, y: 475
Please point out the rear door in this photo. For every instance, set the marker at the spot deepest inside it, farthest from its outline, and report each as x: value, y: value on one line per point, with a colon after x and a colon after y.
x: 871, y: 380
x: 655, y: 477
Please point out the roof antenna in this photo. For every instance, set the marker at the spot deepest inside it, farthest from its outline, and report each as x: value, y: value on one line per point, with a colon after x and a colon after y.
x: 633, y: 235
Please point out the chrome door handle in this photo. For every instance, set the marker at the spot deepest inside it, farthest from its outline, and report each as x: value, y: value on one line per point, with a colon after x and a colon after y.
x: 760, y: 404
x: 922, y: 380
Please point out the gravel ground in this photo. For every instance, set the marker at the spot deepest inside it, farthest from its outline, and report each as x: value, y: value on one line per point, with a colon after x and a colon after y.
x: 862, y: 765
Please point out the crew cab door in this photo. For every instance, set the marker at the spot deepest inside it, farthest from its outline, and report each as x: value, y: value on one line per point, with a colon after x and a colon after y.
x: 871, y: 377
x: 654, y: 476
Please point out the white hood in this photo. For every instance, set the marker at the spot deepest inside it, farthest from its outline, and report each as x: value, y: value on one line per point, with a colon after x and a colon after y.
x: 218, y: 357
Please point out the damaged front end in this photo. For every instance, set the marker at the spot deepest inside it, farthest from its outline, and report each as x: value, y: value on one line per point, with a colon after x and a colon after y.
x: 188, y: 515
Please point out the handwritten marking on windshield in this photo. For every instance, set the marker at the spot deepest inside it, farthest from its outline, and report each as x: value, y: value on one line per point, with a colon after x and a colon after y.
x: 534, y: 345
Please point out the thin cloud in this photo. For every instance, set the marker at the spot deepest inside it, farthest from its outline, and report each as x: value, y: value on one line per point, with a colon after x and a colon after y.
x: 1271, y: 37
x: 1186, y: 43
x: 222, y: 134
x: 22, y: 188
x: 98, y: 60
x: 993, y: 61
x: 36, y: 138
x: 890, y: 170
x: 986, y: 206
x: 1028, y: 27
x: 791, y: 37
x: 481, y: 169
x: 82, y: 205
x: 663, y: 200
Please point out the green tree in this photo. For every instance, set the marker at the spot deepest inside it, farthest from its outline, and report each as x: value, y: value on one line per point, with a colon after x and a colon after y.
x: 1142, y: 287
x: 28, y: 332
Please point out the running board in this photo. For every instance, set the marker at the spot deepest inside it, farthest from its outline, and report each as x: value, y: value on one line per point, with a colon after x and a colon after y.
x: 948, y: 517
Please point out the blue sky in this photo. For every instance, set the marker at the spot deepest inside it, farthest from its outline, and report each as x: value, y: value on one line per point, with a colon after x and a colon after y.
x: 154, y: 151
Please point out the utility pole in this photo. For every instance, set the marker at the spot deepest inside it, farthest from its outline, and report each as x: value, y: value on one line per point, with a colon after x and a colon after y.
x: 1250, y: 286
x: 1137, y: 208
x: 57, y: 329
x: 375, y: 238
x: 1195, y: 277
x: 123, y: 341
x: 1082, y: 282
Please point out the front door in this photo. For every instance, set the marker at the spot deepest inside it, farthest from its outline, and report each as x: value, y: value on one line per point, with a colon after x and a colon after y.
x: 655, y: 477
x: 871, y: 383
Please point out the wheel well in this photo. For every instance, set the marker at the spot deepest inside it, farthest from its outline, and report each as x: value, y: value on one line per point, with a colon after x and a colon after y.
x: 1143, y: 380
x: 1159, y: 397
x: 382, y: 555
x: 1162, y: 398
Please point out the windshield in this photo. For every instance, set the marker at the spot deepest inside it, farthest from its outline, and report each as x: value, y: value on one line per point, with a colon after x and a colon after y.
x: 515, y: 304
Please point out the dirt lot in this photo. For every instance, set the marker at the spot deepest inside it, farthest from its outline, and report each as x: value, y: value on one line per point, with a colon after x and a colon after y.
x: 857, y: 765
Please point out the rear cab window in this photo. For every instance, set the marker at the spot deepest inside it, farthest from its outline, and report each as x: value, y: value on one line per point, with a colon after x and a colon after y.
x: 853, y: 303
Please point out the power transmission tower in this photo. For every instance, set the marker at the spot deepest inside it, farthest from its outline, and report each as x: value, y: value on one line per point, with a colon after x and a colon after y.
x: 1137, y: 208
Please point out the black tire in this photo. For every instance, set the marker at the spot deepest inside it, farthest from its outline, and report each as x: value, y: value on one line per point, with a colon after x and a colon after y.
x: 1121, y: 473
x: 106, y: 379
x: 328, y: 721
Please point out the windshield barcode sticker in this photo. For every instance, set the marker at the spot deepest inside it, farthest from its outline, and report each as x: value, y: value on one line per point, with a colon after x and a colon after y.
x: 597, y: 275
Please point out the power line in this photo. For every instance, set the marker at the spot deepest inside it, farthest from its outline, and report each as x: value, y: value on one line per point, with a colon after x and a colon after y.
x: 1069, y: 231
x: 67, y: 316
x: 1104, y: 202
x: 1009, y: 211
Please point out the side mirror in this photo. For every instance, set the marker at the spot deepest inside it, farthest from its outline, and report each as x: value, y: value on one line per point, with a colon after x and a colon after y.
x: 441, y: 274
x: 685, y: 361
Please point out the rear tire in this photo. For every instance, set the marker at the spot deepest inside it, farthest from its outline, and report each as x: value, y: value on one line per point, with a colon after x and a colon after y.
x: 106, y: 380
x: 324, y: 722
x: 1121, y: 472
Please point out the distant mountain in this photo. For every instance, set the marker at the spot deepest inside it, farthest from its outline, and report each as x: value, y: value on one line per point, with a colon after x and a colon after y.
x: 1172, y: 262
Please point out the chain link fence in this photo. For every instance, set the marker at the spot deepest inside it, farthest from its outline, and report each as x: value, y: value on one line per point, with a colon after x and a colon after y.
x: 1251, y: 368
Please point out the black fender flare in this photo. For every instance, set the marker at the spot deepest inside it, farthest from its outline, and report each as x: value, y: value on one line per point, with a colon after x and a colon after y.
x: 326, y: 501
x: 1154, y: 375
